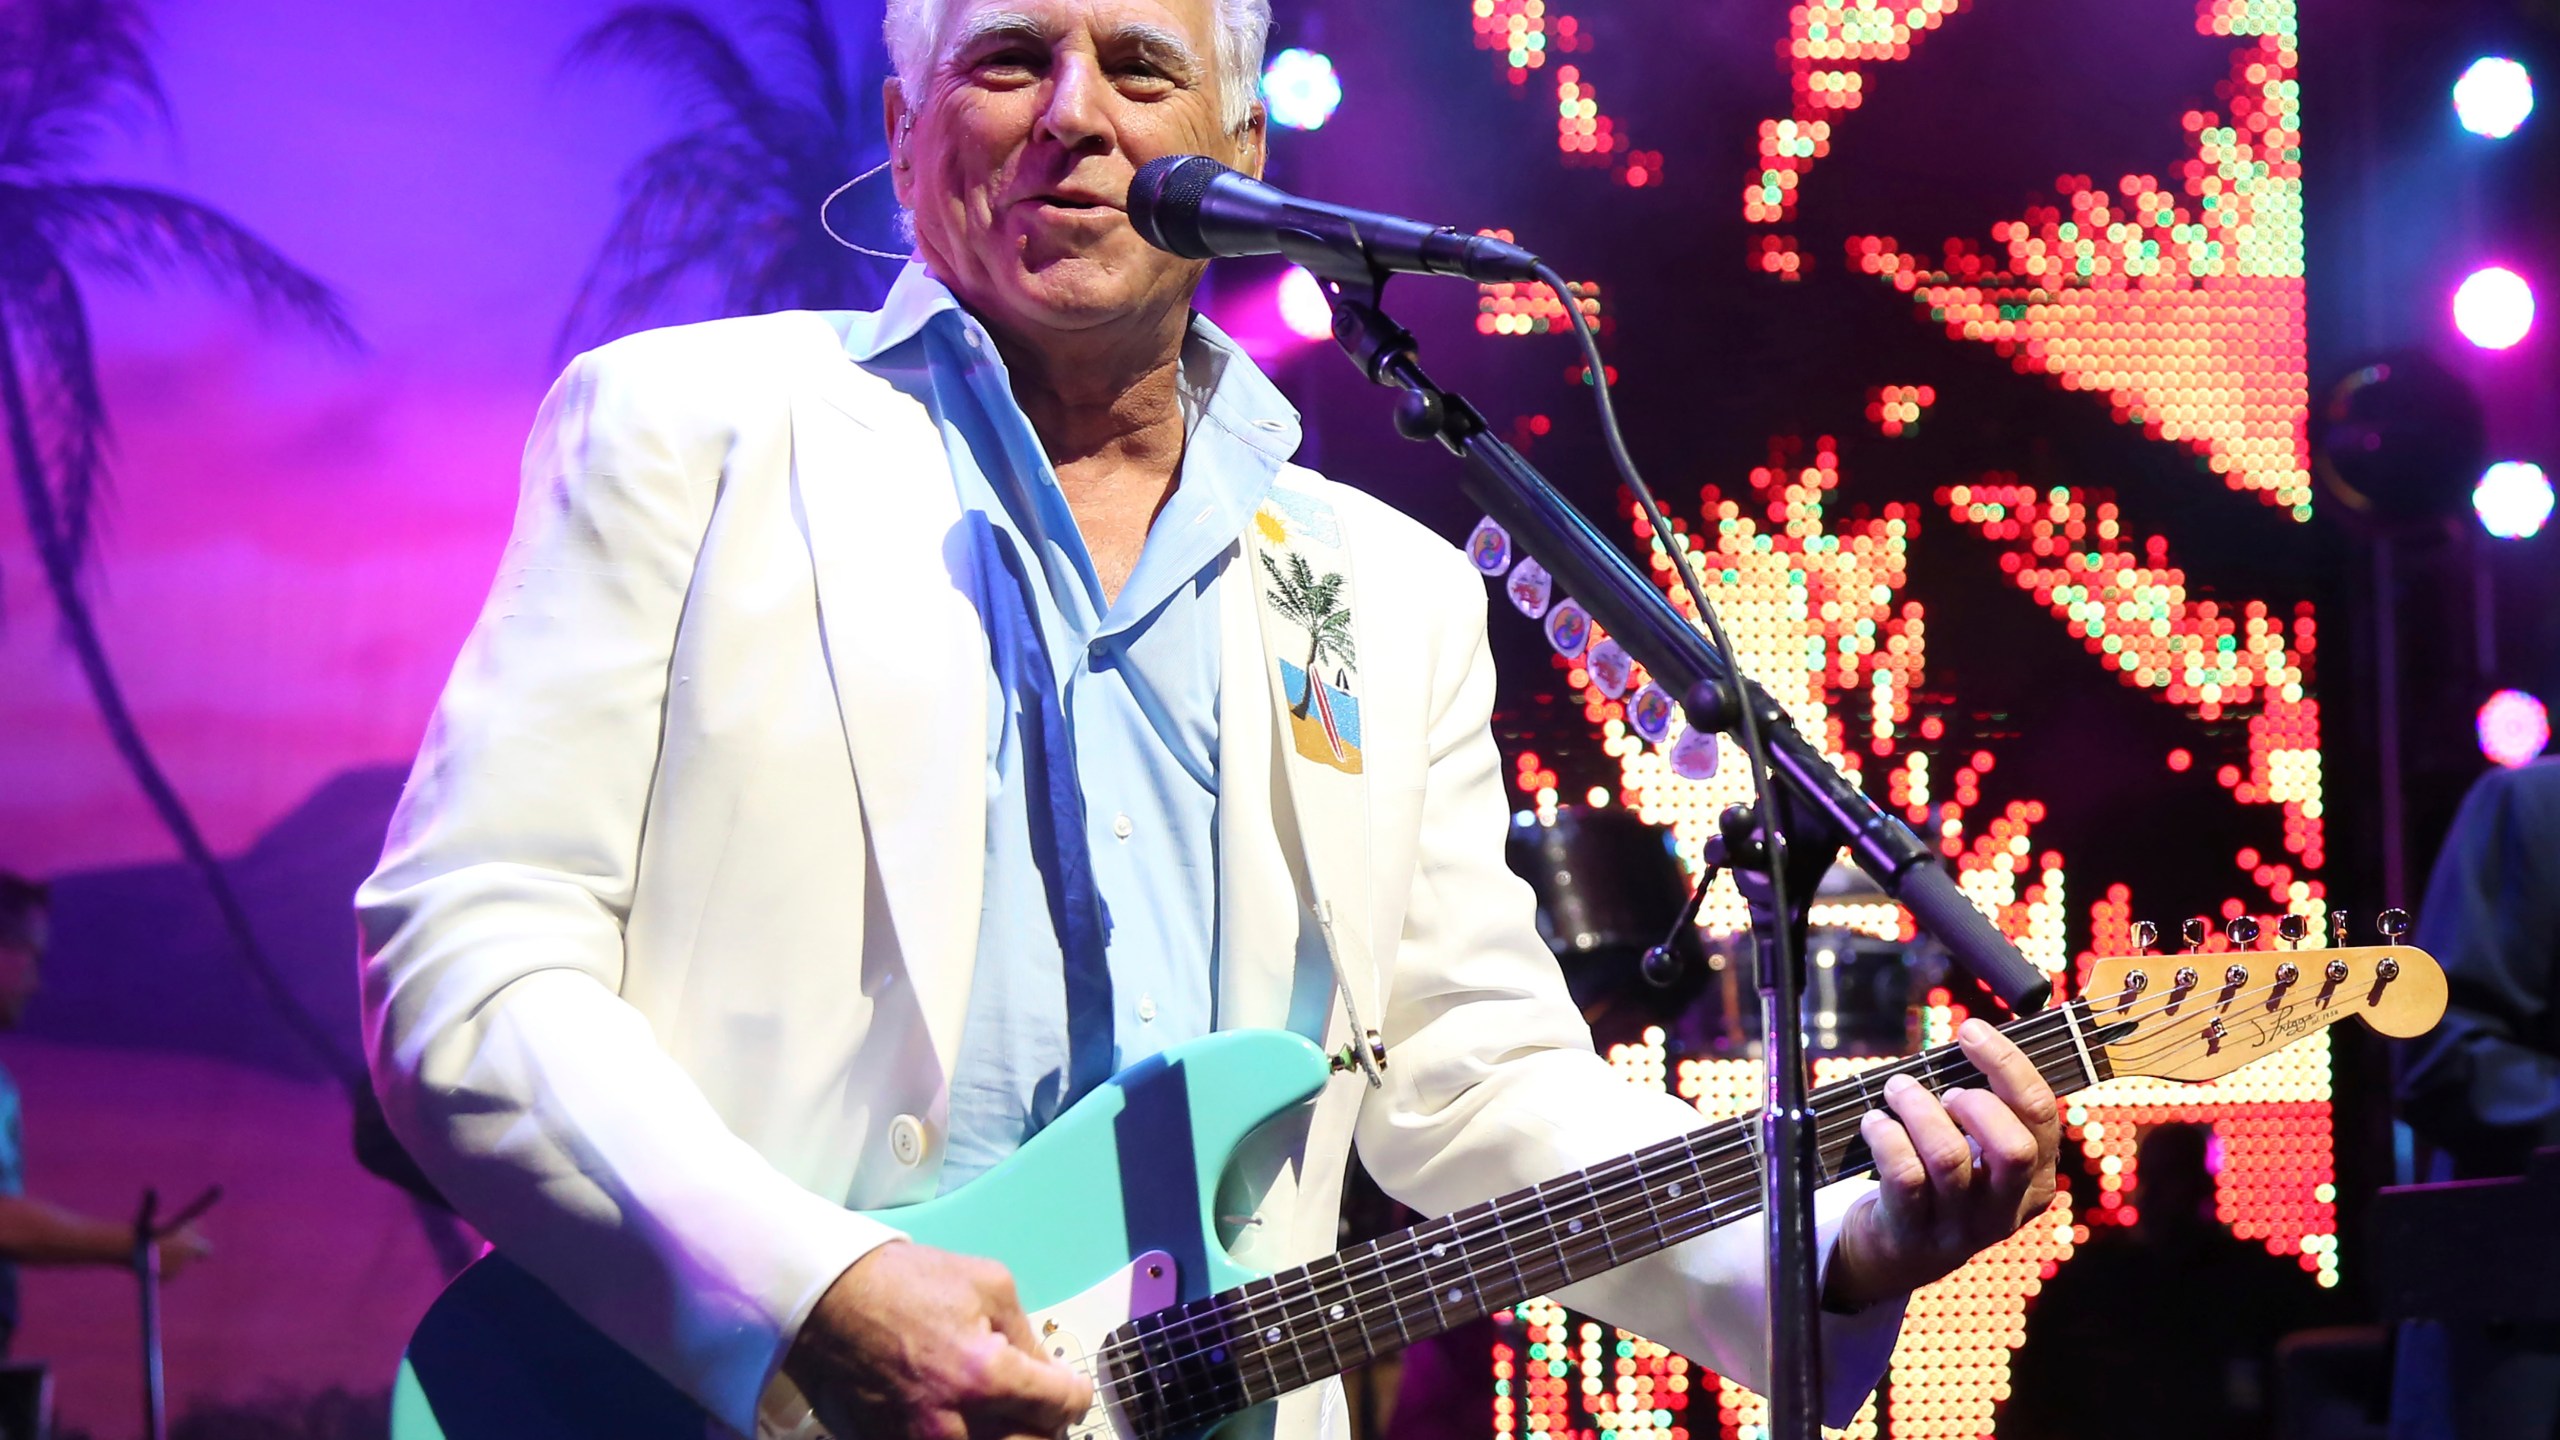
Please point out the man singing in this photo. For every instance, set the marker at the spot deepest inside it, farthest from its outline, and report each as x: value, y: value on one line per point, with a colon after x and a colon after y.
x: 868, y: 746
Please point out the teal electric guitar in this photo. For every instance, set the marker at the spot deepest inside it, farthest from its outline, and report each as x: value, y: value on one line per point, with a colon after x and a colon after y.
x: 1105, y: 1217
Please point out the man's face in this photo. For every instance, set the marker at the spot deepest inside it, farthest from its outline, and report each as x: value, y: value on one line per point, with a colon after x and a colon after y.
x: 21, y: 975
x: 1034, y: 116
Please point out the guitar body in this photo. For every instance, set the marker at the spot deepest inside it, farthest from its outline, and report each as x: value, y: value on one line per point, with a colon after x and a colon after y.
x: 1106, y: 1221
x: 1104, y: 1216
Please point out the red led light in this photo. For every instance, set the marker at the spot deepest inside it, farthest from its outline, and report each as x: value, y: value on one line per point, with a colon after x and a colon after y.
x: 1895, y: 409
x: 2177, y: 300
x: 2184, y: 310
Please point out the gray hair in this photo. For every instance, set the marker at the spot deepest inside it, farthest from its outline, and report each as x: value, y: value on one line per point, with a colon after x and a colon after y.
x: 914, y: 29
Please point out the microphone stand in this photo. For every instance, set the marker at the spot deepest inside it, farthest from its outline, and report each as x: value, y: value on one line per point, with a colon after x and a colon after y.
x: 1817, y: 810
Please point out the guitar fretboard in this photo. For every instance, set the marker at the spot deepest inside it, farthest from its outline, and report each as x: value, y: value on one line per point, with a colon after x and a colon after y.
x: 1275, y: 1335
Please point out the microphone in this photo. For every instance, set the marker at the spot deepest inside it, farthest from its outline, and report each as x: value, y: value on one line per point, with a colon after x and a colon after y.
x: 1201, y: 210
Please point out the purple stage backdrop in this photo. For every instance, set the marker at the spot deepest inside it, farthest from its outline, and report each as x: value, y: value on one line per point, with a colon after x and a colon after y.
x: 298, y: 541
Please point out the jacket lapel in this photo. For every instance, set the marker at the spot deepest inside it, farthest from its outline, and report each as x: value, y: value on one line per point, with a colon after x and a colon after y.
x: 1259, y: 914
x: 908, y: 660
x: 1309, y: 841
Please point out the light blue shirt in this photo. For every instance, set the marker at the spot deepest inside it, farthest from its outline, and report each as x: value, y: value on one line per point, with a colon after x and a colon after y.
x: 1097, y: 940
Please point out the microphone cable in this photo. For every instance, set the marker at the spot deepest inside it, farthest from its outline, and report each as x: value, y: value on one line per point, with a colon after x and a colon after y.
x: 1755, y: 752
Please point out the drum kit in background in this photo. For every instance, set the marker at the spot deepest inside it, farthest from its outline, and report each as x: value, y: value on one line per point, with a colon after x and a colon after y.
x: 1613, y: 904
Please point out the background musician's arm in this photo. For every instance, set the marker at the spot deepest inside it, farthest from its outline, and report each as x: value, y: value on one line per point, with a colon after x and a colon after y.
x: 1492, y: 1083
x: 2485, y: 1084
x: 537, y: 1100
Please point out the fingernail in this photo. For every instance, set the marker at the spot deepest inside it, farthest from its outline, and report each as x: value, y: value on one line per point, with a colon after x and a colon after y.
x: 1899, y: 1084
x: 1976, y: 1028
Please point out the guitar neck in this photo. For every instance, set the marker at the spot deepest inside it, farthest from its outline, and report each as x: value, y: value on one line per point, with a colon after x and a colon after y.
x: 1297, y: 1327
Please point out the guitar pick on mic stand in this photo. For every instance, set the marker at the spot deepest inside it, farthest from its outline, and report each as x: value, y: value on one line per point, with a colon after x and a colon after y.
x: 1817, y: 810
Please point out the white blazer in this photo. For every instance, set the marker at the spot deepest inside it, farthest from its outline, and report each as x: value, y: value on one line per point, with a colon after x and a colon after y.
x: 674, y: 927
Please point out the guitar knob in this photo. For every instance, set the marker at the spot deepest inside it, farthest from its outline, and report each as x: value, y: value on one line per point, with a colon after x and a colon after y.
x: 2291, y: 928
x: 2135, y: 982
x: 2186, y: 977
x: 2236, y: 976
x: 2192, y: 931
x: 2243, y: 931
x: 2336, y: 972
x: 2286, y: 974
x: 2386, y: 969
x: 2337, y: 929
x: 2393, y: 923
x: 2146, y: 937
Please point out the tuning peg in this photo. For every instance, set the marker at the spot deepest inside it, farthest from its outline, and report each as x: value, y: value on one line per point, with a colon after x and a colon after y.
x: 2243, y: 931
x: 2146, y: 937
x: 2192, y: 931
x: 2393, y: 923
x: 2291, y: 928
x: 2337, y: 929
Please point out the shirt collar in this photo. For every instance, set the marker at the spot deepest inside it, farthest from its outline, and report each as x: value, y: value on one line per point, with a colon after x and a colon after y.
x: 1220, y: 383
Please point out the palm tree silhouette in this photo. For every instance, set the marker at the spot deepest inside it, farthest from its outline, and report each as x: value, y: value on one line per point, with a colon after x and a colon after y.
x: 731, y: 203
x: 1315, y: 603
x: 66, y: 68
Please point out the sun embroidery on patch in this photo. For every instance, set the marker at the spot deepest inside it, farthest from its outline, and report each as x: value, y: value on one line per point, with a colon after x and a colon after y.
x: 1324, y: 710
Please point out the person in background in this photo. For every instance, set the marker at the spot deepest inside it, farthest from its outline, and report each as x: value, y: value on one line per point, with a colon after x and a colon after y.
x: 2483, y: 1087
x: 2165, y: 1327
x: 33, y: 1231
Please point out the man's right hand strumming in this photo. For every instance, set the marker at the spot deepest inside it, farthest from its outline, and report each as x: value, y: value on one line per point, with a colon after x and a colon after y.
x: 914, y: 1343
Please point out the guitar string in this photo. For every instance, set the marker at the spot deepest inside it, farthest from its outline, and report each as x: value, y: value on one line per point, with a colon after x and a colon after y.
x: 1612, y: 1209
x: 1610, y: 1199
x: 1613, y: 1205
x: 1611, y: 1196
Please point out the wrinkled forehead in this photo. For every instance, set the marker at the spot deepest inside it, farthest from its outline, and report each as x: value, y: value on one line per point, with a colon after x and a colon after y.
x: 1178, y: 29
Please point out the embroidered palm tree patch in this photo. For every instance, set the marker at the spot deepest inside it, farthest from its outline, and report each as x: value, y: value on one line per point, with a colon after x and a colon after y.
x: 1313, y: 598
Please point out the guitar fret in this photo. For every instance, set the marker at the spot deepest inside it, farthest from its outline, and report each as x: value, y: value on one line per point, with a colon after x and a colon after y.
x: 1251, y: 1343
x: 1327, y: 1316
x: 1271, y: 1327
x: 1438, y: 1250
x: 1298, y: 1315
x: 1521, y: 1289
x: 1395, y: 1311
x: 1608, y: 1240
x: 1653, y: 1211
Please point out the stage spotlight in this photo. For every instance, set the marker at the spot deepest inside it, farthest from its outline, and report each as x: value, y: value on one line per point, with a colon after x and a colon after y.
x: 2513, y: 499
x: 2493, y: 97
x: 1304, y: 307
x: 2493, y: 308
x: 2514, y: 728
x: 1300, y: 90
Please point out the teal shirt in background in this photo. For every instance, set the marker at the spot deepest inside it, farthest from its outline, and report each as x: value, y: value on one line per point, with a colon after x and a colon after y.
x: 13, y: 1183
x: 1097, y: 940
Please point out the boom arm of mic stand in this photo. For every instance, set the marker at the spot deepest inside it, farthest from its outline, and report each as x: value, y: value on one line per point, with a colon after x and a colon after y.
x: 1822, y: 805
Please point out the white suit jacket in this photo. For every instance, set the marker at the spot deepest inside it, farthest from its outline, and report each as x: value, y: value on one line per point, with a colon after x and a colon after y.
x: 665, y: 962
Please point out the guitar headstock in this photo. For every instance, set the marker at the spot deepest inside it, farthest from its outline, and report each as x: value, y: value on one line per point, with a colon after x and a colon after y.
x: 2200, y: 1015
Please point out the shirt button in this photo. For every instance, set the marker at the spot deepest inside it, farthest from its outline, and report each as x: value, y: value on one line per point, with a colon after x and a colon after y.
x: 971, y: 335
x: 906, y: 1139
x: 1147, y: 1008
x: 1121, y: 827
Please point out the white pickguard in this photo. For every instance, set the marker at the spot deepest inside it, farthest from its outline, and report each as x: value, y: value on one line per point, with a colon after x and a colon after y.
x: 1074, y: 1331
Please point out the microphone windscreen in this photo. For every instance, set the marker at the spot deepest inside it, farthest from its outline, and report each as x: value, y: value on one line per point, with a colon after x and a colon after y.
x: 1164, y: 202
